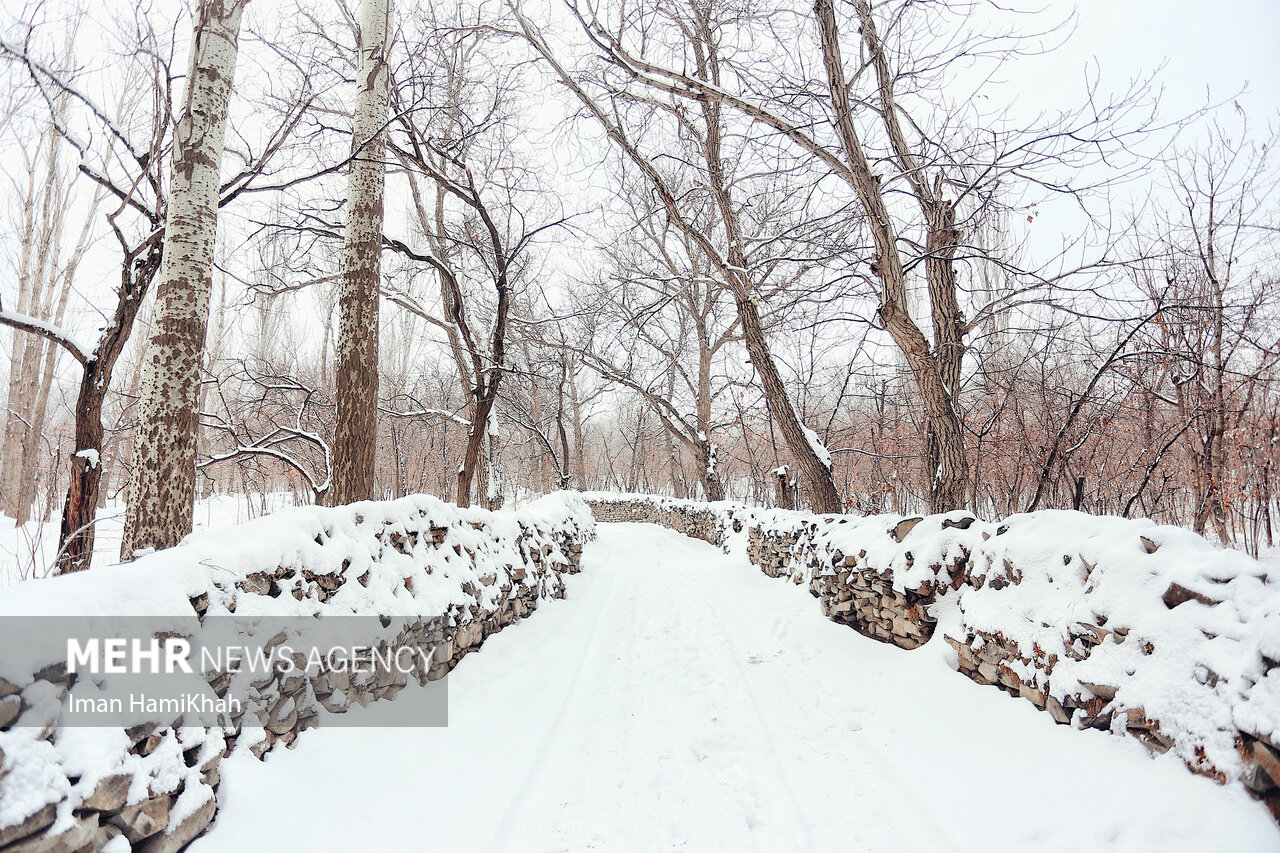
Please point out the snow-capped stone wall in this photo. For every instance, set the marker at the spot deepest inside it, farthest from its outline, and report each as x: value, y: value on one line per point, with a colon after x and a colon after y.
x: 1123, y: 625
x: 699, y: 521
x: 880, y: 592
x: 444, y: 577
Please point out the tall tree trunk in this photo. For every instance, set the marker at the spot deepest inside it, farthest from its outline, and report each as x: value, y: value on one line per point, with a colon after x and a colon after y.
x: 1218, y: 414
x: 679, y: 487
x: 17, y: 431
x: 471, y: 456
x: 487, y: 378
x: 579, y: 455
x: 331, y: 305
x: 496, y: 492
x: 708, y: 459
x: 397, y: 470
x: 946, y: 455
x: 483, y: 469
x: 949, y: 469
x: 566, y: 464
x: 356, y: 428
x: 21, y: 437
x: 162, y: 491
x: 708, y: 453
x: 817, y: 476
x: 40, y: 410
x: 67, y: 276
x: 39, y: 352
x: 76, y: 535
x: 676, y: 473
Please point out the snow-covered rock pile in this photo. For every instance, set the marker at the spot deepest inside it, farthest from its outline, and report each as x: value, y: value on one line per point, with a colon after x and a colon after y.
x: 440, y: 577
x: 863, y: 569
x: 1103, y: 622
x: 1135, y: 628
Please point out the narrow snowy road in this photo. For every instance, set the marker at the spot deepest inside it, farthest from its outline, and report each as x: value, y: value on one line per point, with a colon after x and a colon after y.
x: 678, y: 699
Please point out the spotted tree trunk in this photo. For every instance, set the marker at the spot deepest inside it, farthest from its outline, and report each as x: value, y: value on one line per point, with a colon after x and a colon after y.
x: 355, y: 432
x: 162, y: 489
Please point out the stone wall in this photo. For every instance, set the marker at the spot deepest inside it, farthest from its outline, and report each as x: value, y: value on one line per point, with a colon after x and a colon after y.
x: 1107, y: 623
x: 855, y: 588
x: 156, y: 785
x: 689, y: 519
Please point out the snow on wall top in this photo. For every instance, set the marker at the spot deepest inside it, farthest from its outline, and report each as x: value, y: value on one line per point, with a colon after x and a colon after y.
x: 1190, y: 633
x: 935, y: 543
x: 370, y: 538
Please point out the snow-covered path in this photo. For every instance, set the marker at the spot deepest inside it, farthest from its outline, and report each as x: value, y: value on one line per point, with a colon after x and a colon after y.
x: 678, y: 699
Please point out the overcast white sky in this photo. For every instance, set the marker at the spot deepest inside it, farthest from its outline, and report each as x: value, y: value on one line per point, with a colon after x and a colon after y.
x: 1216, y: 43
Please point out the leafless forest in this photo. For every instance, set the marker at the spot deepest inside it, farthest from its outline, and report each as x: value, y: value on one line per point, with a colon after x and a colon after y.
x: 824, y: 255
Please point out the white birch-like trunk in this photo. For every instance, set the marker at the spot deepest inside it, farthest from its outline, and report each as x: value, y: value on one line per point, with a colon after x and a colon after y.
x: 16, y: 431
x: 355, y: 432
x: 43, y: 290
x: 162, y: 489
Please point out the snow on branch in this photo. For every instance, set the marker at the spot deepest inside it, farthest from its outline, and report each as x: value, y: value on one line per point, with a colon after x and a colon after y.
x: 268, y: 445
x: 57, y: 334
x: 421, y: 413
x: 815, y: 444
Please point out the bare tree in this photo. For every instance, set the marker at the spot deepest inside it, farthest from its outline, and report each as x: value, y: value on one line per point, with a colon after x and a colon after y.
x: 860, y: 127
x: 126, y: 169
x: 727, y: 247
x: 266, y: 414
x: 483, y: 366
x: 1214, y: 294
x: 356, y: 429
x: 137, y: 193
x: 473, y: 202
x: 45, y: 276
x: 659, y: 325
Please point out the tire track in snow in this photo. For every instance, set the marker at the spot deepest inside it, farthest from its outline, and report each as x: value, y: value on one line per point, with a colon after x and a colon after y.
x: 761, y: 724
x: 787, y: 689
x: 516, y: 806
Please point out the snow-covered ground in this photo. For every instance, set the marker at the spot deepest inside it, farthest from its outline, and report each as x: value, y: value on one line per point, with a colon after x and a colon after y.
x: 29, y: 551
x: 680, y: 699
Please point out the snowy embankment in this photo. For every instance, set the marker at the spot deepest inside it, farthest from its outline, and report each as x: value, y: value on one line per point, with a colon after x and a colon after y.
x: 676, y: 700
x: 444, y: 577
x: 29, y: 551
x: 1104, y: 622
